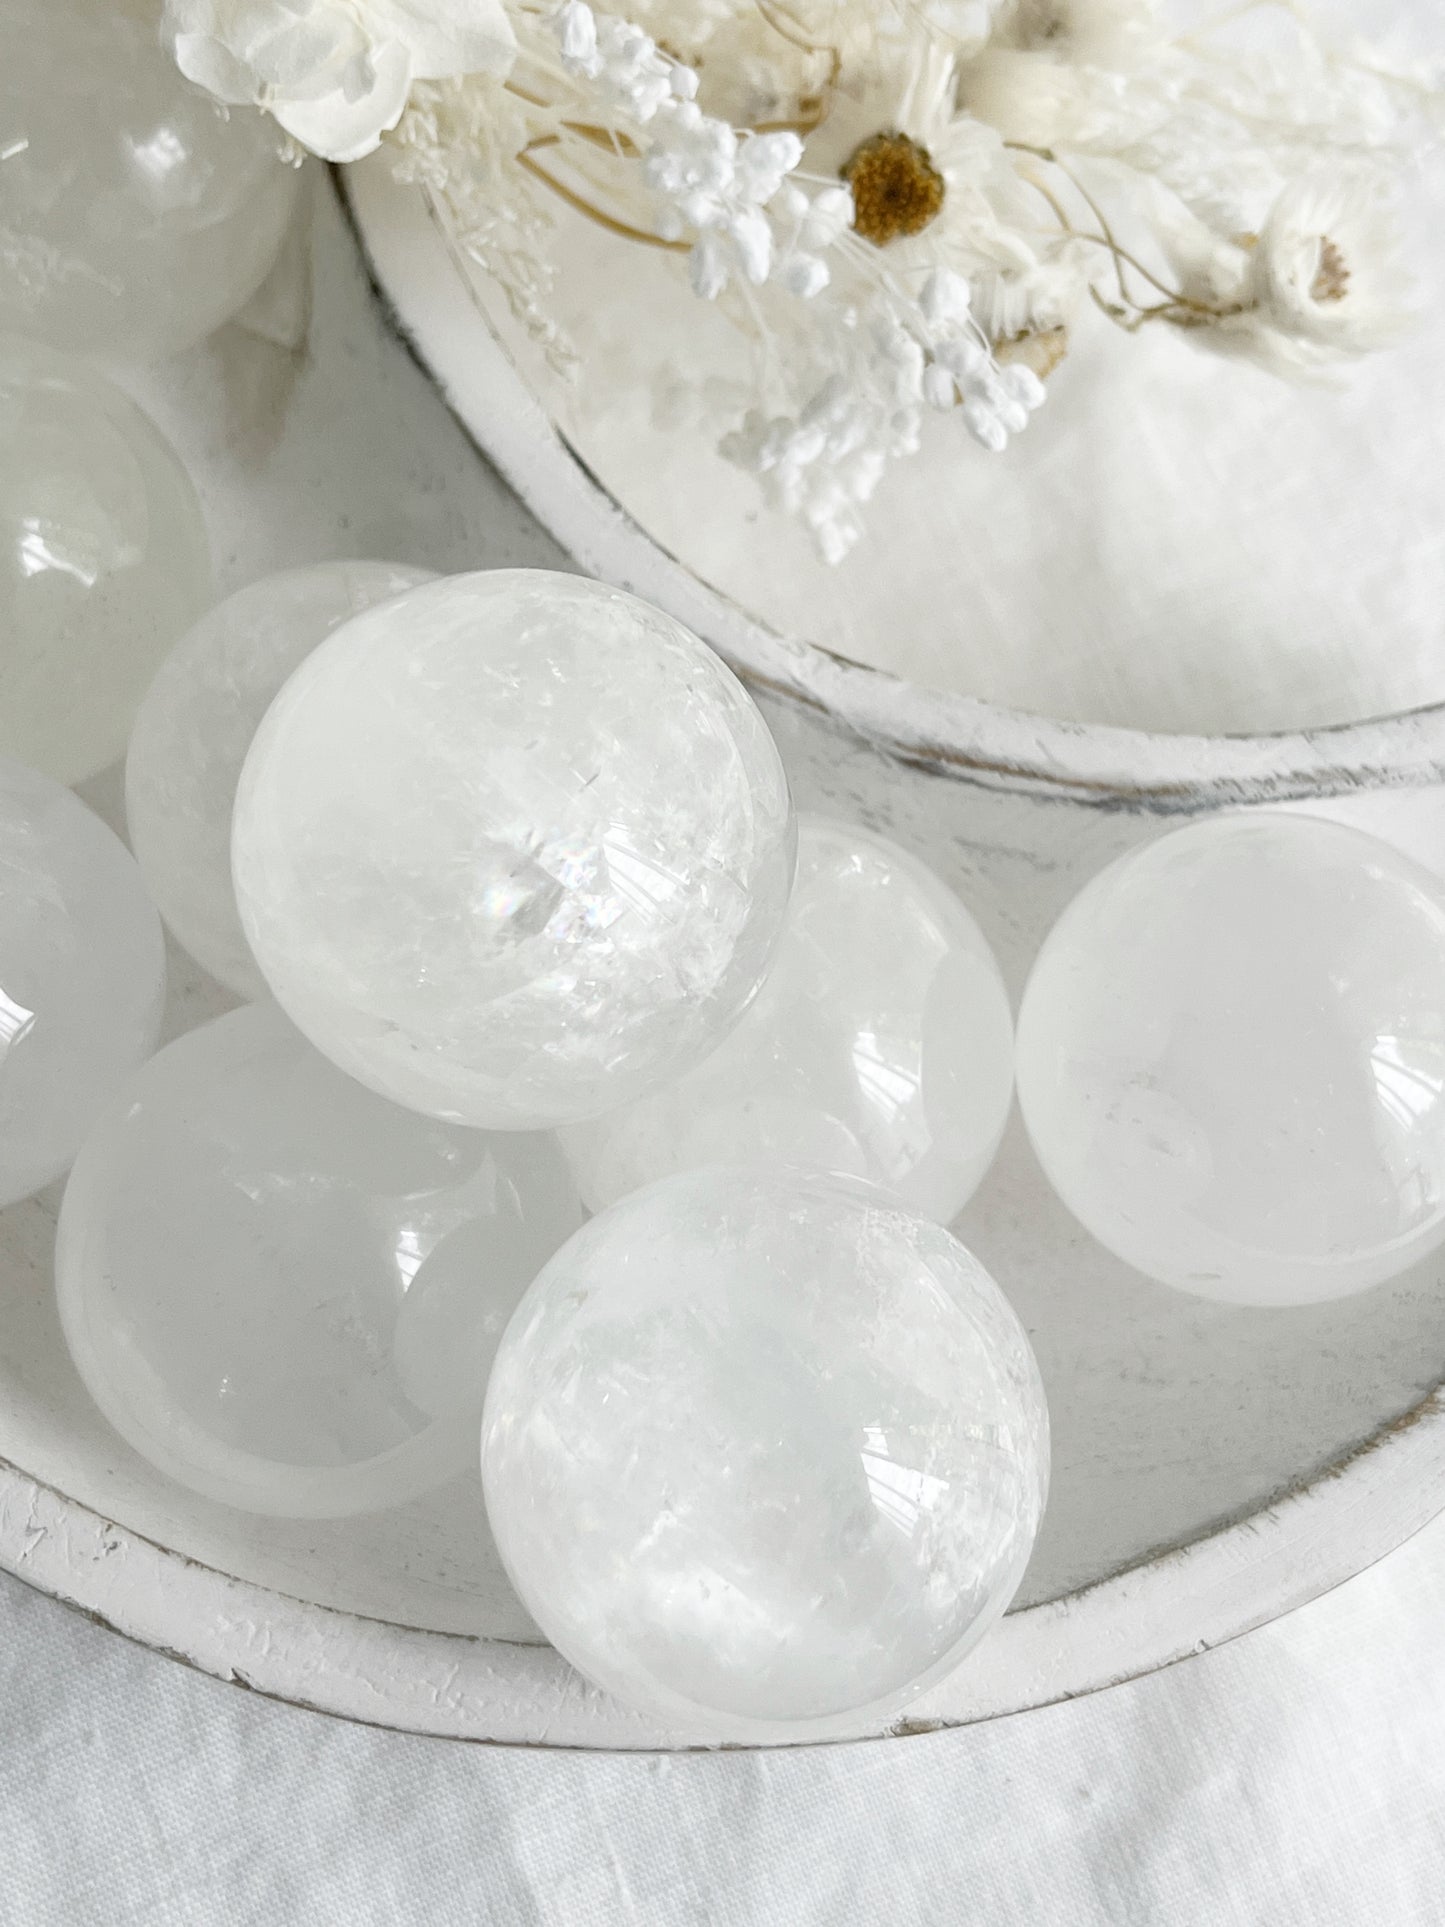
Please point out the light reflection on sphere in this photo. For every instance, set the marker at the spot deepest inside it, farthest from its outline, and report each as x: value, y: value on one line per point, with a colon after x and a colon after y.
x: 134, y: 217
x: 512, y: 848
x: 1231, y: 1059
x: 82, y: 975
x: 764, y: 1453
x: 193, y: 731
x: 285, y: 1292
x: 103, y: 560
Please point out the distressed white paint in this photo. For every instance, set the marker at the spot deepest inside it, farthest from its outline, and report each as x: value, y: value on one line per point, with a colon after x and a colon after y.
x: 490, y: 1690
x: 1177, y: 1423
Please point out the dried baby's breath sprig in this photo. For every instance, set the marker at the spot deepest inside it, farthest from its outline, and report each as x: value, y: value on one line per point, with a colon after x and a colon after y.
x: 904, y: 205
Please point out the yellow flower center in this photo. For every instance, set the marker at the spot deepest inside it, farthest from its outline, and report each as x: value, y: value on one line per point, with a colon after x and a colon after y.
x: 1332, y: 276
x: 896, y: 188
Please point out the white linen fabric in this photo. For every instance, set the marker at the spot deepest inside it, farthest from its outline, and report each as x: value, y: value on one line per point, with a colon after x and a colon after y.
x: 1293, y: 1779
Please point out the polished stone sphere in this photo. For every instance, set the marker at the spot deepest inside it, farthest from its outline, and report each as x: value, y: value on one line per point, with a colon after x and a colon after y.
x: 764, y: 1453
x: 1231, y: 1059
x: 285, y: 1292
x: 513, y: 848
x: 82, y: 975
x: 195, y: 726
x: 134, y: 216
x: 105, y: 560
x: 881, y: 1045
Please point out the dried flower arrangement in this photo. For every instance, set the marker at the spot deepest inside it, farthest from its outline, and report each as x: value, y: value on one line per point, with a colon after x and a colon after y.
x: 904, y: 204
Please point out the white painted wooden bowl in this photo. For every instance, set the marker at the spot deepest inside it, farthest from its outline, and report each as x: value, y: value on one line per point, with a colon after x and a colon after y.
x: 1214, y: 1467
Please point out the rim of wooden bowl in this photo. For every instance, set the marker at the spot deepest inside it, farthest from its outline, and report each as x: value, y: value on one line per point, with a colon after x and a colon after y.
x: 948, y: 734
x: 1178, y: 1602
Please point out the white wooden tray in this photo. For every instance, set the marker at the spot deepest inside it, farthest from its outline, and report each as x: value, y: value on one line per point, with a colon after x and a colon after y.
x: 1214, y: 1467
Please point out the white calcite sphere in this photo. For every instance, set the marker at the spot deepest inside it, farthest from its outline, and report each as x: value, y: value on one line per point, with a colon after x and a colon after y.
x: 1231, y: 1059
x: 134, y: 217
x: 881, y: 1045
x: 512, y: 848
x: 764, y: 1453
x: 195, y: 726
x: 82, y: 975
x: 285, y: 1292
x: 103, y: 560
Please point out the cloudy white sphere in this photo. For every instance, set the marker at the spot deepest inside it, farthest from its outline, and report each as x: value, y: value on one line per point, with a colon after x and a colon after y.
x: 764, y: 1453
x: 103, y: 559
x: 136, y: 216
x: 1231, y: 1059
x: 195, y: 726
x: 512, y: 848
x: 82, y: 975
x: 285, y: 1292
x: 880, y: 1045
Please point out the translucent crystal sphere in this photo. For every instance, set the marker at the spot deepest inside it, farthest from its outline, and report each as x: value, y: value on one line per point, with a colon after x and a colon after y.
x: 193, y: 731
x: 512, y: 848
x: 881, y: 1045
x: 764, y: 1453
x: 82, y: 975
x: 1231, y: 1059
x: 285, y: 1292
x: 134, y: 219
x: 103, y: 560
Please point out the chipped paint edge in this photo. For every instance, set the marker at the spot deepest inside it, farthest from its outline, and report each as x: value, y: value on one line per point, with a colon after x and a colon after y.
x: 1177, y: 1604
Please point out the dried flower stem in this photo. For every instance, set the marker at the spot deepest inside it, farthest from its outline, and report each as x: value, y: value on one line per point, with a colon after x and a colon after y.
x: 795, y: 40
x: 581, y: 205
x: 1175, y: 302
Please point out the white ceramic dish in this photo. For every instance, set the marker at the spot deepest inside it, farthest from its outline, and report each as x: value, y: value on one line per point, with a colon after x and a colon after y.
x: 1213, y: 1467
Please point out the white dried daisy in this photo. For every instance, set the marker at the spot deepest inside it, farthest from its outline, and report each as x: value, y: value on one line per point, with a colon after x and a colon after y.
x: 934, y: 188
x: 1325, y: 282
x: 1091, y: 33
x: 336, y: 74
x: 1053, y: 73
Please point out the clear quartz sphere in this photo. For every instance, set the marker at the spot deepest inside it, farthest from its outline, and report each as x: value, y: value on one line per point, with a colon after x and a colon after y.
x: 512, y: 848
x: 193, y: 731
x: 82, y: 975
x: 880, y: 1045
x: 105, y: 560
x: 285, y: 1292
x: 1231, y: 1059
x: 764, y: 1453
x: 134, y: 216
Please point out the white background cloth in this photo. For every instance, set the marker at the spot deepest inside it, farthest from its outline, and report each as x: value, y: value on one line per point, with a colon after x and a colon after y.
x: 1294, y: 1779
